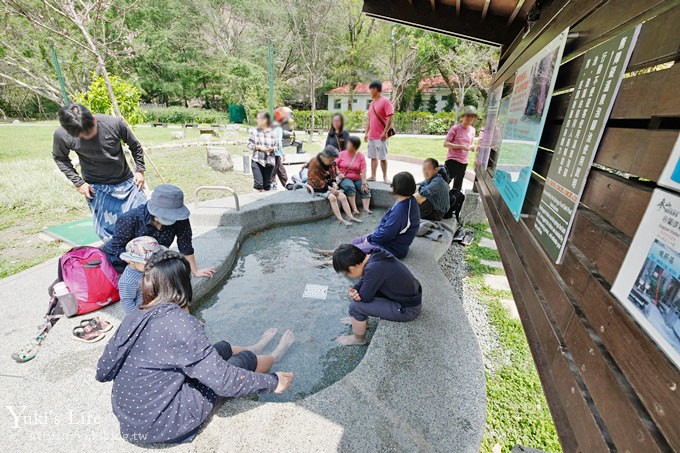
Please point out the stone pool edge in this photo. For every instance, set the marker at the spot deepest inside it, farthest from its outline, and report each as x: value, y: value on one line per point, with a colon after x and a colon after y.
x: 398, y: 397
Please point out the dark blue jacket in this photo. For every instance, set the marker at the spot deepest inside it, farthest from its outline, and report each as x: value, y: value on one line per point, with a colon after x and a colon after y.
x: 166, y: 376
x: 138, y: 222
x: 387, y: 277
x: 392, y: 234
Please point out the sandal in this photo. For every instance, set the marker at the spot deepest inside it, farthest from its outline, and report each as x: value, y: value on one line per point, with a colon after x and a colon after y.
x: 97, y: 324
x: 28, y: 351
x: 87, y: 334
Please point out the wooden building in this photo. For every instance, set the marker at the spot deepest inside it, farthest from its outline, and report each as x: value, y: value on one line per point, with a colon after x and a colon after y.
x: 608, y: 384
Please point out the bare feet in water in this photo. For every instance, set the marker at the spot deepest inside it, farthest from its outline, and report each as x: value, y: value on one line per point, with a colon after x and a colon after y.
x: 262, y: 343
x: 351, y: 340
x: 345, y: 222
x: 354, y: 219
x: 285, y: 343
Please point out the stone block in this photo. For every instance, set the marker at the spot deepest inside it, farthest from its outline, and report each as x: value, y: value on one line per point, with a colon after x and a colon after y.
x: 219, y: 159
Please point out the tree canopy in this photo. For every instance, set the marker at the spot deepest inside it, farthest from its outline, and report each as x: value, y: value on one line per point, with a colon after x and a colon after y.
x: 211, y: 53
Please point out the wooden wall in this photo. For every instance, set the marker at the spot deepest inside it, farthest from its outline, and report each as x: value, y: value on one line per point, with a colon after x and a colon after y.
x: 608, y: 385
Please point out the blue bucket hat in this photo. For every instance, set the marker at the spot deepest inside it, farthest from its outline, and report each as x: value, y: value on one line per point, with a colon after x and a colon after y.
x: 167, y: 202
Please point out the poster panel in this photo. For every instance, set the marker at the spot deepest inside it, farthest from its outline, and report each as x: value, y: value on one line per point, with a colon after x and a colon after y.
x: 491, y: 135
x: 584, y: 123
x: 529, y: 103
x: 648, y: 283
x: 670, y: 177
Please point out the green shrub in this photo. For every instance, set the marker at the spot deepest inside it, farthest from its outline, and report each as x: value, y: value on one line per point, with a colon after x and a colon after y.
x: 404, y: 122
x: 181, y: 115
x: 97, y: 99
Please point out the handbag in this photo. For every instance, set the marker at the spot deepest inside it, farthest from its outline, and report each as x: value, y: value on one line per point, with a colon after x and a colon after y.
x: 390, y: 131
x: 338, y: 179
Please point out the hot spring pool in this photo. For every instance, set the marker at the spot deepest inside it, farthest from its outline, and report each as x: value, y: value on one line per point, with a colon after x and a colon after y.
x: 265, y: 289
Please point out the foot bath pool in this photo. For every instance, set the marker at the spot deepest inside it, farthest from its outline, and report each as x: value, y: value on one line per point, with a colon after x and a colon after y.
x: 279, y: 281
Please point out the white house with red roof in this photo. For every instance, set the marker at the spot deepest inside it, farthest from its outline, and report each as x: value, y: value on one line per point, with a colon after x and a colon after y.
x: 338, y: 98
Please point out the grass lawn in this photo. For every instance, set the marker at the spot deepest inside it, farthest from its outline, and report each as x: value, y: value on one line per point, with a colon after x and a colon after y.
x: 517, y: 412
x: 423, y: 147
x: 34, y: 194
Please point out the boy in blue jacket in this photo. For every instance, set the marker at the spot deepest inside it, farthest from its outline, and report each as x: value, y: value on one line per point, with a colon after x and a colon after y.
x: 386, y: 289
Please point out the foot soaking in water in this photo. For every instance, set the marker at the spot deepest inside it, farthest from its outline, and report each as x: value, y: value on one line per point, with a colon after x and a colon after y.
x: 278, y: 280
x: 167, y: 377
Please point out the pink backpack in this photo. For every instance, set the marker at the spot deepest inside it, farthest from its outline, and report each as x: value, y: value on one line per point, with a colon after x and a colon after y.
x: 90, y: 277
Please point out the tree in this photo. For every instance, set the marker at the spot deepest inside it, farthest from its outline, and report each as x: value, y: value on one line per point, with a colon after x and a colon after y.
x: 94, y: 27
x: 463, y: 64
x: 417, y: 100
x: 402, y: 64
x: 432, y: 104
x: 97, y: 99
x: 311, y: 33
x: 450, y: 101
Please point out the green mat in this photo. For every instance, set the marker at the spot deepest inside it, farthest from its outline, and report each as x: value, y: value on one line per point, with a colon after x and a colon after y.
x: 78, y: 232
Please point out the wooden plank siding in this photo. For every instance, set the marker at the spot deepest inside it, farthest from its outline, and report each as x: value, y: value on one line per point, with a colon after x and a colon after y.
x: 608, y: 385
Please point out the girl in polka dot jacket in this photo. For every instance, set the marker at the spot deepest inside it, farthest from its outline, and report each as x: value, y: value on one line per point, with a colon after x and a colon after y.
x: 166, y: 374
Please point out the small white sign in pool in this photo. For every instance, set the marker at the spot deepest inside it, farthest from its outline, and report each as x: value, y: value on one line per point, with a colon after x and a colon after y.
x: 315, y: 291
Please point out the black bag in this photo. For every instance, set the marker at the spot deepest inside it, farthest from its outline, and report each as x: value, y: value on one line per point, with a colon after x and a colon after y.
x: 444, y: 174
x: 456, y: 199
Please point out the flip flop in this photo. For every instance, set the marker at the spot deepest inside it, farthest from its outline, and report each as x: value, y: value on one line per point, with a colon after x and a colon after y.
x: 28, y: 352
x: 468, y: 238
x: 459, y: 235
x: 87, y: 334
x: 97, y: 324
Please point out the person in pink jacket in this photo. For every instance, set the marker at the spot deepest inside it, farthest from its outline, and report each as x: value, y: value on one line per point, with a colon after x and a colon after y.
x: 460, y: 141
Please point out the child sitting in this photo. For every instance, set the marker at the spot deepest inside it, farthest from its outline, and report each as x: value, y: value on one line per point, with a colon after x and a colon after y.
x: 137, y: 251
x: 386, y: 289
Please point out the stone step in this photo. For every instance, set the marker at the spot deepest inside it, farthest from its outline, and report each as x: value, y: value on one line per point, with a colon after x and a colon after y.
x: 488, y: 243
x: 510, y: 307
x: 492, y: 263
x: 497, y: 282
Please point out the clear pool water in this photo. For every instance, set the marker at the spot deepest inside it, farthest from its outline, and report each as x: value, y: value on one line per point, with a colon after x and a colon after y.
x: 265, y: 289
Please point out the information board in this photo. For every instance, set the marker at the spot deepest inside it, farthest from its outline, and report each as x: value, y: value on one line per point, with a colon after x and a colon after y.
x: 529, y: 104
x: 586, y: 118
x: 648, y: 283
x: 491, y: 136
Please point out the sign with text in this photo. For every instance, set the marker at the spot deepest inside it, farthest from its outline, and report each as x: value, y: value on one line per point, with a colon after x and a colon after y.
x: 529, y: 103
x: 491, y: 136
x: 648, y: 283
x: 584, y: 123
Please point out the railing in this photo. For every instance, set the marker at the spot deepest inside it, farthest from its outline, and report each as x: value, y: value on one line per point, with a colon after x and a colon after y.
x: 222, y: 188
x: 298, y: 185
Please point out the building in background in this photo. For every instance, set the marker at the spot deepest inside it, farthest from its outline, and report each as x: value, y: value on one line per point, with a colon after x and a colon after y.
x: 338, y: 98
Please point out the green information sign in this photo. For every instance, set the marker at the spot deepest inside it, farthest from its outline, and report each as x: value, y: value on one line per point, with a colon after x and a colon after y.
x: 589, y: 108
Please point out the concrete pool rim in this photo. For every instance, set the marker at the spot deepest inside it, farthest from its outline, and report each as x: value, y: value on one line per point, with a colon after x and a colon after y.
x: 437, y: 428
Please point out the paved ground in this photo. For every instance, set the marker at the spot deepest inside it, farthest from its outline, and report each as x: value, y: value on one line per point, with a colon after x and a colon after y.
x: 420, y: 386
